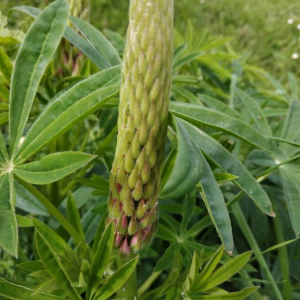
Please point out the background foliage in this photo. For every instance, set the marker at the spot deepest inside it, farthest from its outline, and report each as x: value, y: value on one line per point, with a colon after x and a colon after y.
x: 229, y: 115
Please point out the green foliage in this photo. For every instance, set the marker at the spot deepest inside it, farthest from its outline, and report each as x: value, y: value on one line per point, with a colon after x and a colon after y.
x: 232, y: 162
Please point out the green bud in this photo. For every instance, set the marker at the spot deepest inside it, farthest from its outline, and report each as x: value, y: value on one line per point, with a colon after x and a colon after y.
x: 142, y: 123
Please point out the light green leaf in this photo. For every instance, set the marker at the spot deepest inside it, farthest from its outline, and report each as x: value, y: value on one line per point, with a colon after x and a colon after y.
x: 74, y: 216
x: 167, y: 258
x: 101, y: 260
x: 116, y: 280
x: 54, y: 267
x: 188, y: 166
x: 8, y: 223
x: 199, y: 115
x: 224, y: 273
x: 52, y: 167
x: 290, y: 177
x: 17, y: 292
x: 68, y: 108
x: 229, y: 163
x: 198, y: 227
x: 24, y: 221
x: 223, y: 177
x: 5, y: 65
x: 98, y: 41
x: 243, y: 294
x: 36, y: 51
x: 215, y: 204
x: 195, y: 266
x: 256, y: 113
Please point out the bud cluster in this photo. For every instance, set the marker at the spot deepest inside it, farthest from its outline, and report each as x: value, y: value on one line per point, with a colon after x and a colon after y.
x: 142, y: 123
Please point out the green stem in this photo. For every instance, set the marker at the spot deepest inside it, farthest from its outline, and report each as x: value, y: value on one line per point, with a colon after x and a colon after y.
x: 51, y: 209
x: 239, y: 216
x: 283, y: 257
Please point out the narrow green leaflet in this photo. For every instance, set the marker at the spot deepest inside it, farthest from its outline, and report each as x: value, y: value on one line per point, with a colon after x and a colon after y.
x: 52, y: 167
x: 187, y: 210
x: 98, y: 40
x: 17, y: 292
x: 223, y: 177
x: 291, y: 130
x: 74, y: 216
x: 209, y: 268
x: 225, y: 272
x: 293, y: 86
x: 116, y: 280
x: 290, y: 177
x: 188, y: 166
x: 101, y: 260
x: 256, y: 113
x: 217, y: 105
x: 229, y: 163
x: 5, y: 65
x: 215, y: 204
x: 36, y: 51
x: 167, y: 258
x: 57, y: 242
x: 74, y: 38
x: 198, y: 115
x: 27, y: 202
x: 54, y: 267
x: 8, y: 223
x: 243, y: 294
x: 3, y: 150
x: 69, y: 108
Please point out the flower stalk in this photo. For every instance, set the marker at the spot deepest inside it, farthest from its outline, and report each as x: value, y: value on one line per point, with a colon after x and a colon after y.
x: 142, y: 123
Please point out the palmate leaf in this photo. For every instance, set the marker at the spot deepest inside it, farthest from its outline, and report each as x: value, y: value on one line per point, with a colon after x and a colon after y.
x: 199, y: 115
x: 52, y: 167
x: 54, y: 267
x: 36, y: 51
x: 17, y: 292
x: 229, y: 163
x: 8, y: 223
x: 68, y: 108
x: 188, y: 166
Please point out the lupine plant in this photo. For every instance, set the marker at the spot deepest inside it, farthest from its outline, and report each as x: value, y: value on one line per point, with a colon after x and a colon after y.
x: 156, y: 166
